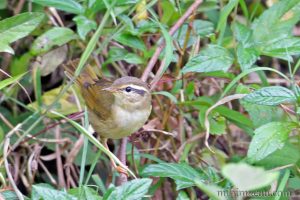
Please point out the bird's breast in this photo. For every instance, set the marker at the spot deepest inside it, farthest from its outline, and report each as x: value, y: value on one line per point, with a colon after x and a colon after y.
x: 128, y: 122
x: 120, y: 123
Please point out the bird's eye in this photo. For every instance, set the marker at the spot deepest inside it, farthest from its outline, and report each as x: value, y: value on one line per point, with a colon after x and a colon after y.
x: 128, y: 89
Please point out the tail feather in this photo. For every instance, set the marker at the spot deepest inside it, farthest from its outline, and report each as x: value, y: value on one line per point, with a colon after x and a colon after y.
x: 86, y: 77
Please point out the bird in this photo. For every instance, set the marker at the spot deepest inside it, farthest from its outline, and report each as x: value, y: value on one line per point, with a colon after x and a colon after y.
x: 116, y: 109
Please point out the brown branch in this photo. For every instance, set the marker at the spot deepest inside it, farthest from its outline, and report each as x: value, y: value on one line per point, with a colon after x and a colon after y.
x: 122, y: 156
x: 175, y: 27
x: 59, y: 164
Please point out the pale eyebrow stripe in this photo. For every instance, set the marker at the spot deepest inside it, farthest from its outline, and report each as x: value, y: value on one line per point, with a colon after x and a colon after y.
x: 135, y: 87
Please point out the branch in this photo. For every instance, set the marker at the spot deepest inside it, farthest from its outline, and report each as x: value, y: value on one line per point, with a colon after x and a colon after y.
x: 122, y: 156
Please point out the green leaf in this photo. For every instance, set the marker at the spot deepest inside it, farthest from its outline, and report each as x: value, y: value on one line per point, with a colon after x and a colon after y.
x: 10, y: 80
x: 273, y: 95
x: 212, y: 58
x: 274, y: 24
x: 200, y: 28
x: 183, y: 174
x: 20, y: 64
x: 213, y: 191
x: 4, y: 47
x: 247, y: 178
x: 9, y: 195
x: 167, y: 94
x: 247, y: 53
x: 56, y: 36
x: 283, y: 48
x: 246, y: 56
x: 242, y: 33
x: 132, y: 190
x: 16, y: 27
x: 47, y: 192
x: 70, y: 6
x: 116, y: 54
x: 217, y: 122
x: 269, y: 138
x: 288, y: 155
x: 131, y: 41
x: 261, y: 114
x: 3, y: 4
x: 234, y: 116
x: 84, y: 25
x: 182, y: 195
x: 170, y: 12
x: 168, y: 50
x: 85, y: 192
x: 225, y: 13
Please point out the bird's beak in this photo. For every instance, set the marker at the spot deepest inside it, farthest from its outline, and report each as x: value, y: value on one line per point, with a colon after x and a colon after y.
x: 110, y: 89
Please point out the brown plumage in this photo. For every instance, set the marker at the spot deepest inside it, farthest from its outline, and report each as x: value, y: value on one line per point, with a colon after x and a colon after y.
x: 116, y: 109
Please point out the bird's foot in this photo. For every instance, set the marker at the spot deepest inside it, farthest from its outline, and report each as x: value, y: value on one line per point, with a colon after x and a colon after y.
x: 121, y: 170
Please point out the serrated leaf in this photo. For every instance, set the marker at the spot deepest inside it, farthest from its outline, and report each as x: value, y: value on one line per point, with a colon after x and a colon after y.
x: 242, y: 33
x: 273, y: 95
x: 270, y: 34
x: 261, y: 114
x: 9, y: 195
x: 283, y: 48
x: 56, y: 36
x: 212, y: 58
x: 269, y: 138
x: 70, y: 6
x: 132, y: 190
x: 247, y: 178
x: 16, y: 27
x: 46, y: 192
x: 183, y: 174
x: 289, y: 154
x: 246, y: 56
x: 274, y: 24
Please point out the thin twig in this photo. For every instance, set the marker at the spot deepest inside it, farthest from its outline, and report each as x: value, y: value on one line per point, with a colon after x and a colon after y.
x: 5, y: 156
x: 59, y: 165
x: 122, y: 156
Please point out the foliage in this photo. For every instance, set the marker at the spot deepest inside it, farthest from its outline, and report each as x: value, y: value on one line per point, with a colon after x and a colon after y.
x: 230, y: 65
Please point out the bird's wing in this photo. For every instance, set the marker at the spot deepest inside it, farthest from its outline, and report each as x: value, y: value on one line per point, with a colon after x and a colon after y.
x: 99, y: 101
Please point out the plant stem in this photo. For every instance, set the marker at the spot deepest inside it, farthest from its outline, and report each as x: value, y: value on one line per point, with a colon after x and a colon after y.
x: 122, y: 156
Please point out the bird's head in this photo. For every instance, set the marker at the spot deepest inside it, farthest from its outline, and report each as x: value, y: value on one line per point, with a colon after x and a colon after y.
x: 130, y: 93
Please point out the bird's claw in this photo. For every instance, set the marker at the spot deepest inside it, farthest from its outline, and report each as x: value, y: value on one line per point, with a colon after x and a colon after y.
x: 121, y: 170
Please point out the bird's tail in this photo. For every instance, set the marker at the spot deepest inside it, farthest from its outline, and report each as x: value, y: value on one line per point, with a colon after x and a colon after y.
x: 86, y: 77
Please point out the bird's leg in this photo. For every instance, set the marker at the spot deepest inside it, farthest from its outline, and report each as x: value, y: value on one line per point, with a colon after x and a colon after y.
x: 118, y: 168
